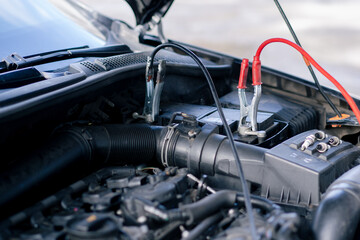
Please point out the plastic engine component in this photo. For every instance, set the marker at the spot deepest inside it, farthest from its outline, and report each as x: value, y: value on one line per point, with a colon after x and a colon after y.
x: 299, y: 117
x: 276, y: 131
x: 299, y: 177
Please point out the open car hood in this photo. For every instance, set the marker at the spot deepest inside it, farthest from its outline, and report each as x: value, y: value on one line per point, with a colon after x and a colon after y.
x: 145, y: 10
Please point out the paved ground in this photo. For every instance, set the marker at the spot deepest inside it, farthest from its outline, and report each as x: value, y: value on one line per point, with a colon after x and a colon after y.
x: 329, y: 30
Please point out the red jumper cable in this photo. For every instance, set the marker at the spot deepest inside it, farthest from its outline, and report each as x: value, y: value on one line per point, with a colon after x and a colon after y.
x: 256, y: 68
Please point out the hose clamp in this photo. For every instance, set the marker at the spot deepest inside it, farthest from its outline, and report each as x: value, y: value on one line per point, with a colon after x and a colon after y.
x: 165, y: 145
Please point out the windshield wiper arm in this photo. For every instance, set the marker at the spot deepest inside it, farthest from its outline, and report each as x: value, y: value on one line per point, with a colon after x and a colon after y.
x: 56, y: 51
x: 15, y: 61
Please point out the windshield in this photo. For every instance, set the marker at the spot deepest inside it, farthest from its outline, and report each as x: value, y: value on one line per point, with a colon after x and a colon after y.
x: 44, y: 24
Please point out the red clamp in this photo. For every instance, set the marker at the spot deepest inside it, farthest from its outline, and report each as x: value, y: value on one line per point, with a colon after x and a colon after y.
x: 256, y: 71
x: 244, y: 69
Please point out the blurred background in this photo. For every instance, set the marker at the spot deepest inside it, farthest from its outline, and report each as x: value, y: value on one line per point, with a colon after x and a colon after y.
x: 328, y: 30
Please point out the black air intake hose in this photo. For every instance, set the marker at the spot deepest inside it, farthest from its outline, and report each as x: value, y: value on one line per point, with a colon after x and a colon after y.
x: 223, y: 199
x: 338, y: 214
x: 120, y: 143
x: 210, y: 153
x: 208, y: 206
x: 73, y: 151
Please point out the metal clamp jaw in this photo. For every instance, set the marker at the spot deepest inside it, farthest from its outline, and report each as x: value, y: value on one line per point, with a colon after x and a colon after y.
x: 246, y: 109
x: 153, y: 94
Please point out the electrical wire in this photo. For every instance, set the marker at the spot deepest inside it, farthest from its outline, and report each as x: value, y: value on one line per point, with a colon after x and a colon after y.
x: 332, y: 105
x: 345, y: 94
x: 226, y: 126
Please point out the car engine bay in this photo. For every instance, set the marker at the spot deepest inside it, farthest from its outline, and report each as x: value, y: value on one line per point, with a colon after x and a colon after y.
x: 114, y: 147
